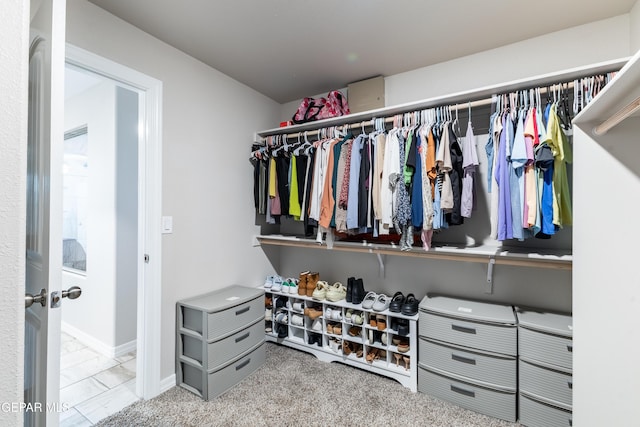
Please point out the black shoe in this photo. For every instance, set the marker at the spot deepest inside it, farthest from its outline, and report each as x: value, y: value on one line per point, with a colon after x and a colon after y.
x: 282, y: 330
x: 350, y: 281
x: 403, y: 327
x: 357, y: 293
x: 395, y: 306
x: 410, y: 306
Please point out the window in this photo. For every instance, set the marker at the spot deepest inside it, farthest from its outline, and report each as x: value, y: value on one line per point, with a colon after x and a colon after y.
x: 75, y: 199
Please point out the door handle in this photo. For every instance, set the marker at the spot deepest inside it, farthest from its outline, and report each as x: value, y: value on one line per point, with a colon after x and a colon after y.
x: 71, y: 293
x: 41, y: 298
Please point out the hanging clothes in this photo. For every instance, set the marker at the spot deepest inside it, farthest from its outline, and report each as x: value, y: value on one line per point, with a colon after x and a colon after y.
x: 470, y: 165
x: 455, y: 175
x: 391, y: 167
x: 342, y: 178
x: 559, y: 144
x: 354, y: 182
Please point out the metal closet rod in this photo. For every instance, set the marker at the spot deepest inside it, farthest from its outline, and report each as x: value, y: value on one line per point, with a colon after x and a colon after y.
x: 389, y: 119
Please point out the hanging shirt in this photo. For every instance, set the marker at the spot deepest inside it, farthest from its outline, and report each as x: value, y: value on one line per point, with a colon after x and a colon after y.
x: 381, y: 140
x: 470, y: 165
x: 502, y: 172
x: 403, y: 211
x: 341, y: 209
x: 416, y: 187
x: 443, y: 162
x: 354, y: 181
x: 455, y: 176
x: 545, y: 163
x: 530, y: 177
x: 294, y: 204
x: 495, y: 130
x: 390, y: 168
x: 559, y: 144
x: 519, y: 160
x: 426, y: 145
x: 327, y: 202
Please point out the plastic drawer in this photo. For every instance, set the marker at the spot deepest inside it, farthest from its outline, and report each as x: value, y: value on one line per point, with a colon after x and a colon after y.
x: 494, y: 369
x: 213, y: 355
x: 542, y: 381
x: 546, y: 348
x: 495, y: 338
x: 487, y: 401
x: 534, y: 413
x: 209, y: 385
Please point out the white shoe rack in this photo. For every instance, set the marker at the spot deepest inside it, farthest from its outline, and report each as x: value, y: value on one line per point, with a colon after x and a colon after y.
x: 378, y: 354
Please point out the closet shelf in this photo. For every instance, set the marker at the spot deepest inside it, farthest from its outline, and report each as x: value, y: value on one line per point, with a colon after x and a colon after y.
x: 523, y: 257
x: 460, y: 97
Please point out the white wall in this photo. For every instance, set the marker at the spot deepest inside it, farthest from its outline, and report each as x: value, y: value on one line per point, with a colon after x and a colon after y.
x: 208, y: 125
x: 573, y: 47
x: 586, y: 44
x: 126, y: 217
x: 634, y: 28
x: 94, y: 313
x: 14, y: 33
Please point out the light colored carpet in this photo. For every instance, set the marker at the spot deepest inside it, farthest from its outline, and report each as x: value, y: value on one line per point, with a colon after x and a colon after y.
x: 294, y: 388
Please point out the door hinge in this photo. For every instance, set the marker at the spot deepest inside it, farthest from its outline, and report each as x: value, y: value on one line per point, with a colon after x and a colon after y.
x: 146, y: 258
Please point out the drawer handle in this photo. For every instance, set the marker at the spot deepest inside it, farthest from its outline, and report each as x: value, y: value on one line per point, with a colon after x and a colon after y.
x: 463, y: 359
x: 243, y: 364
x: 570, y: 348
x: 464, y: 391
x: 464, y: 329
x: 570, y: 422
x: 243, y: 337
x: 244, y: 310
x: 570, y: 384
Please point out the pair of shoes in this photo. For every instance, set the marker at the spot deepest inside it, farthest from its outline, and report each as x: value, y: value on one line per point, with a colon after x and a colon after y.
x: 378, y: 321
x: 297, y: 320
x: 410, y: 306
x: 354, y: 316
x: 315, y: 339
x: 320, y: 292
x: 290, y: 286
x: 376, y: 302
x: 267, y: 328
x: 335, y: 344
x: 282, y: 317
x: 373, y: 354
x: 316, y: 326
x: 312, y: 281
x: 268, y: 301
x: 282, y: 330
x: 336, y: 292
x: 268, y: 281
x: 312, y: 312
x: 302, y: 283
x: 333, y: 313
x: 355, y: 331
x: 267, y: 314
x: 403, y: 346
x: 298, y: 306
x: 334, y: 328
x: 402, y: 326
x: 355, y: 293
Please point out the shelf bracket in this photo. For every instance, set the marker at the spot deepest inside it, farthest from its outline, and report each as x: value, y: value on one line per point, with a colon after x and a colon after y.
x: 381, y: 260
x: 489, y: 287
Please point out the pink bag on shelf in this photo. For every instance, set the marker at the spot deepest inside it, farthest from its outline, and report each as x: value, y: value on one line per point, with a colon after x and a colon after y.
x: 310, y: 109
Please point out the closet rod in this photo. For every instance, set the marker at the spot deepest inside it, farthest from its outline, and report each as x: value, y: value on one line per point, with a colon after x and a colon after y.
x: 388, y: 119
x: 461, y: 98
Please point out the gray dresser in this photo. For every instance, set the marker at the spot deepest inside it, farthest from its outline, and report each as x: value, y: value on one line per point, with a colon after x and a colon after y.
x: 220, y: 339
x: 545, y: 364
x: 468, y: 354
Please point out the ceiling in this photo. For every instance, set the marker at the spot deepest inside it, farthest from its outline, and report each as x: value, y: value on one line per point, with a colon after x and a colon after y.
x: 289, y: 49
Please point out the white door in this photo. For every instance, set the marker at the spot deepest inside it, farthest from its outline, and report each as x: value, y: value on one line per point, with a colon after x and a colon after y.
x: 44, y: 212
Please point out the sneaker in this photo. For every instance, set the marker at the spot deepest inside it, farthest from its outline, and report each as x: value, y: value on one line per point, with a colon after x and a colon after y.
x: 317, y: 325
x: 336, y: 292
x: 293, y: 285
x: 320, y: 293
x: 268, y: 282
x: 277, y: 284
x: 267, y: 314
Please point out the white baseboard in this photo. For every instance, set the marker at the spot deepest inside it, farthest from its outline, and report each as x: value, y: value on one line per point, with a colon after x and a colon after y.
x: 168, y: 383
x: 98, y: 345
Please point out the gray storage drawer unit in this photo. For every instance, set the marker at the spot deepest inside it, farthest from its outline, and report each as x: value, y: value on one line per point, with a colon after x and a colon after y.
x: 468, y: 354
x: 220, y: 339
x: 545, y: 343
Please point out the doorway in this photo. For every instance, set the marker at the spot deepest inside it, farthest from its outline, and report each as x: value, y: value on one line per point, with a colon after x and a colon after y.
x: 112, y: 246
x: 100, y: 241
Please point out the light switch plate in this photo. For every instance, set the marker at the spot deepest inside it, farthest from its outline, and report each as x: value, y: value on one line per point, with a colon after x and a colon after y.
x: 167, y: 224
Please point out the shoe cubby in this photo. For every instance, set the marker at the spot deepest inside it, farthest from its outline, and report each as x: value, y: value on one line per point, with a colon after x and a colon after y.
x: 382, y: 342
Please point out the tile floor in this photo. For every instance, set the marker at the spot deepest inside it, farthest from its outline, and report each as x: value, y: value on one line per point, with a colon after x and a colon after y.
x: 92, y: 385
